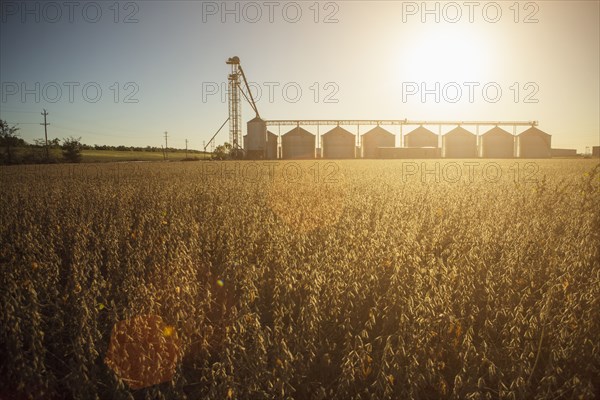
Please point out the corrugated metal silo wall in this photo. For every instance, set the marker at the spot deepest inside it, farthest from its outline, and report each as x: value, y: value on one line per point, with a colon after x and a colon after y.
x: 256, y: 138
x: 297, y: 147
x: 372, y: 142
x: 534, y: 146
x: 497, y: 146
x: 271, y: 153
x: 458, y: 146
x: 338, y: 145
x: 421, y: 138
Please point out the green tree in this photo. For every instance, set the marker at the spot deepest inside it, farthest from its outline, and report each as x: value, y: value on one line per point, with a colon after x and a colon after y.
x: 54, y: 143
x: 8, y: 138
x: 71, y: 149
x: 222, y: 152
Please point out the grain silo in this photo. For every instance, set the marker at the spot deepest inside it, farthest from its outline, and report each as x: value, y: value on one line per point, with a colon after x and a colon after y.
x: 534, y: 143
x: 421, y: 137
x: 459, y: 143
x: 497, y: 143
x: 374, y: 139
x: 298, y: 144
x: 271, y: 146
x: 338, y: 143
x: 255, y: 142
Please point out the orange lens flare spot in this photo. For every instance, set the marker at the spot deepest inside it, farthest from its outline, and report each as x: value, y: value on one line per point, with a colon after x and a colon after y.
x: 143, y: 351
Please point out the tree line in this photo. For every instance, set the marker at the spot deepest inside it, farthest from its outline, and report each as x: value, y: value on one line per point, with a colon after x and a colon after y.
x: 15, y: 150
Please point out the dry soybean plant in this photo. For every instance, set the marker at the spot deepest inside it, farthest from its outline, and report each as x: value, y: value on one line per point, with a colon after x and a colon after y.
x: 371, y: 286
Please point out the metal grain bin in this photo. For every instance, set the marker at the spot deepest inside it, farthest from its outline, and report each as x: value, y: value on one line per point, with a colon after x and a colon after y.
x: 338, y: 143
x: 421, y: 137
x: 497, y: 143
x: 534, y: 143
x: 298, y: 144
x: 374, y: 139
x: 271, y: 146
x: 255, y: 142
x: 459, y: 143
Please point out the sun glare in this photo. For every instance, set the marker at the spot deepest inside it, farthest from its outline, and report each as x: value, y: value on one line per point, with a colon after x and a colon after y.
x: 445, y: 53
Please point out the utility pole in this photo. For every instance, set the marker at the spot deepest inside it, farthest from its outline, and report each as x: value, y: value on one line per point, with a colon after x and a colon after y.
x: 186, y: 149
x: 45, y: 114
x: 166, y: 144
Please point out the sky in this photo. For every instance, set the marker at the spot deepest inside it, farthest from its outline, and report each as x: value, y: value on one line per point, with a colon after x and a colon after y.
x: 123, y: 73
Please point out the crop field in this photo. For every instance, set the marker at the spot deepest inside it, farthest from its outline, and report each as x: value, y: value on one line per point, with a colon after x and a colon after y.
x: 36, y: 155
x: 462, y: 279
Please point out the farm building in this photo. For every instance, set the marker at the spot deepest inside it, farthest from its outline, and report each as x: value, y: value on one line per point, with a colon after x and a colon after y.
x: 459, y: 143
x: 255, y: 142
x: 338, y: 143
x: 409, y: 152
x: 298, y: 144
x: 534, y: 143
x: 421, y: 137
x: 375, y: 138
x: 563, y: 152
x: 596, y: 151
x: 497, y: 143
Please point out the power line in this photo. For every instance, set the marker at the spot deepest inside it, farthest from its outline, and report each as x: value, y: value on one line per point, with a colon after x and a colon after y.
x: 96, y: 124
x: 19, y: 112
x: 85, y: 131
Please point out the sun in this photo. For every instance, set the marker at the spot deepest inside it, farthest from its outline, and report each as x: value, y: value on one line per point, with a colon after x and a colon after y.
x: 444, y: 53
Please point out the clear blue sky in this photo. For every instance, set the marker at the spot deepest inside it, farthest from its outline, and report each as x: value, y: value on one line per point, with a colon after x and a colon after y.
x: 368, y: 57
